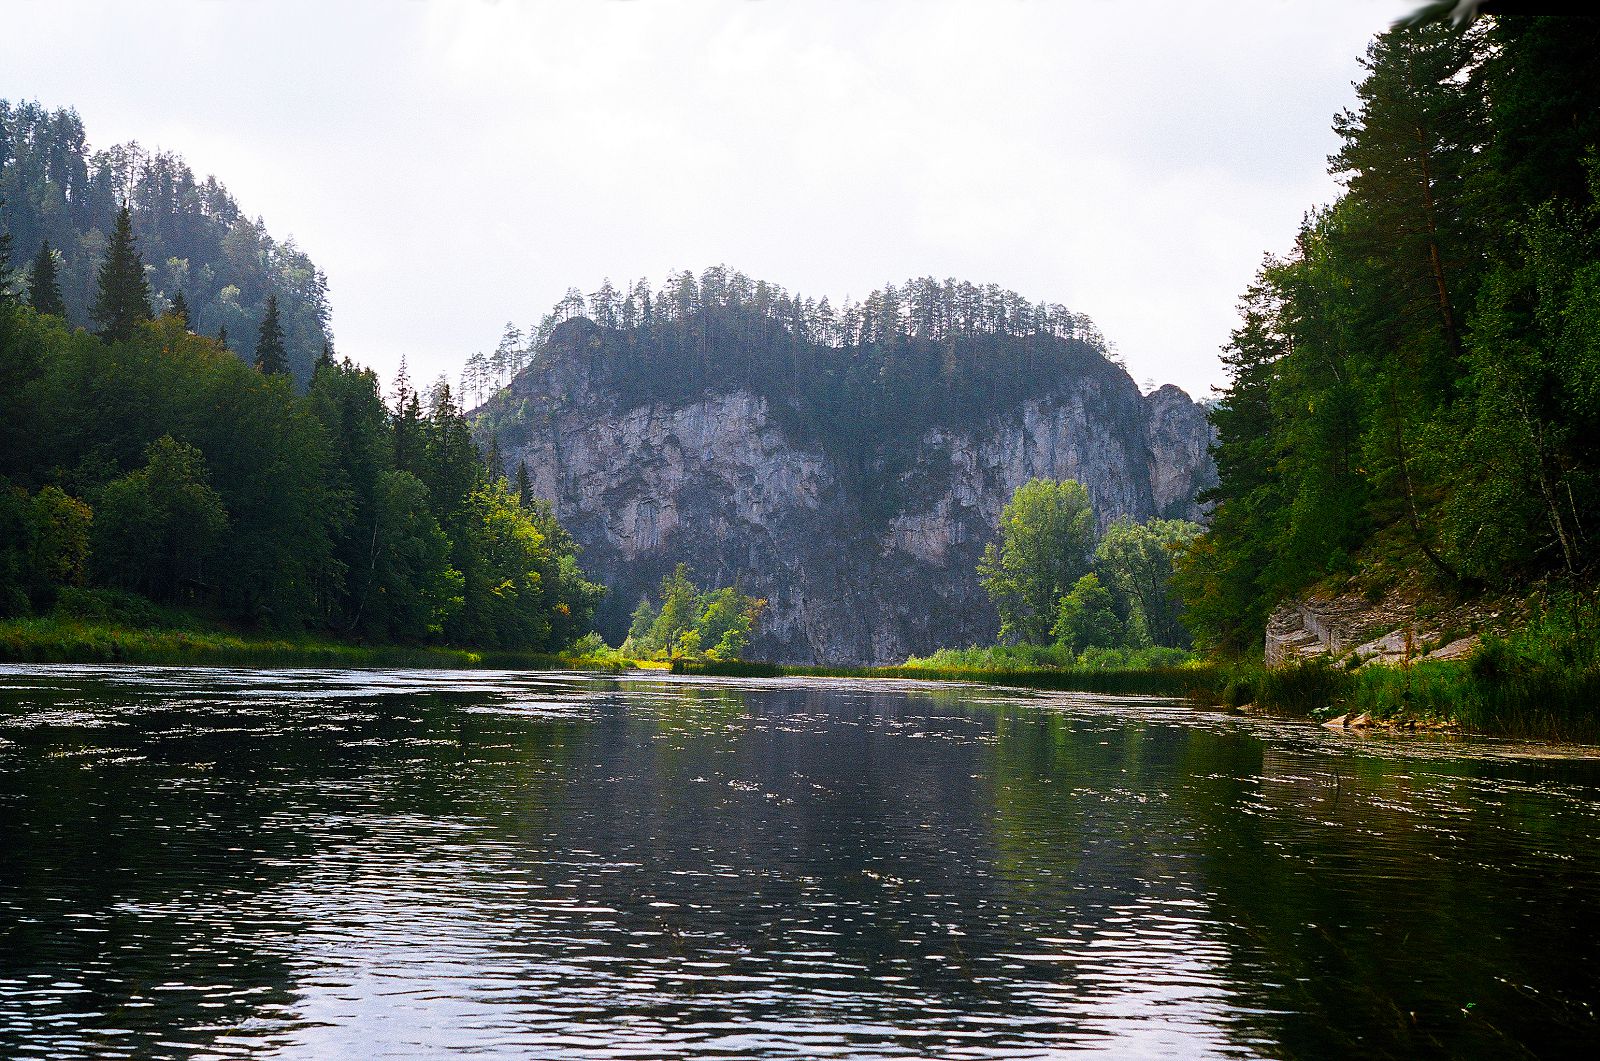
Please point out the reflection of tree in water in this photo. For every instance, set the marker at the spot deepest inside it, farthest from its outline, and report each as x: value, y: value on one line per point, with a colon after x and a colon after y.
x: 612, y: 860
x: 1400, y: 907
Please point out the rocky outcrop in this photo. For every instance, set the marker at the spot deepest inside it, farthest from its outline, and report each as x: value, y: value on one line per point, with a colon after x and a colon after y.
x: 1352, y: 628
x: 863, y: 557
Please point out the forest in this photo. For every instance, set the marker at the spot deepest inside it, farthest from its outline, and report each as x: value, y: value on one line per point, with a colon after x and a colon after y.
x: 146, y: 467
x: 61, y: 200
x: 1414, y: 389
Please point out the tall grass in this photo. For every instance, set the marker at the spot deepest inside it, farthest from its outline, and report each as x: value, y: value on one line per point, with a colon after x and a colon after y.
x: 1167, y: 681
x: 63, y: 640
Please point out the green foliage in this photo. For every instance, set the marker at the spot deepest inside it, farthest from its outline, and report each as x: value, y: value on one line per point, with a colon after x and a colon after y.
x: 123, y: 298
x: 1085, y: 619
x: 44, y: 291
x: 110, y: 607
x: 191, y: 233
x: 1135, y: 560
x: 691, y: 623
x: 271, y: 357
x: 58, y: 541
x: 1419, y: 379
x: 1001, y: 659
x: 1046, y: 540
x: 219, y: 487
x: 160, y: 525
x: 410, y: 591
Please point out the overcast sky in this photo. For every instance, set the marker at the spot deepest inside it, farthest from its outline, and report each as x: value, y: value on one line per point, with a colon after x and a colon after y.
x: 453, y: 166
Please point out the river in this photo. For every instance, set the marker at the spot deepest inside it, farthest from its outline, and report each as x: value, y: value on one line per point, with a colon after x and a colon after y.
x: 206, y: 863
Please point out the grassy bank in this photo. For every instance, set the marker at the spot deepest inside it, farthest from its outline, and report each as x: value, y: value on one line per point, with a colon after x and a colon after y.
x: 1541, y: 680
x: 1161, y: 681
x: 64, y: 640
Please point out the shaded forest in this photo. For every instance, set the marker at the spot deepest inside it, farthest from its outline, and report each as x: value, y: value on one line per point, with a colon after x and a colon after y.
x: 194, y: 238
x: 1415, y: 388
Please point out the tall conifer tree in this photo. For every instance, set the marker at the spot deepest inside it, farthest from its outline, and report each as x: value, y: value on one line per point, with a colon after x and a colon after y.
x: 222, y: 337
x: 271, y: 357
x: 124, y: 296
x: 5, y: 259
x: 524, y: 486
x: 493, y: 461
x: 180, y: 308
x: 44, y: 291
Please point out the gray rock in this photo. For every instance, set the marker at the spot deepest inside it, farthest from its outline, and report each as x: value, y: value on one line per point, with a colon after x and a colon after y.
x: 853, y: 574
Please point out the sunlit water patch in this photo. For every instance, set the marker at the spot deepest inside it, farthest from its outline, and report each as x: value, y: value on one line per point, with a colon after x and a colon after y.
x: 309, y: 864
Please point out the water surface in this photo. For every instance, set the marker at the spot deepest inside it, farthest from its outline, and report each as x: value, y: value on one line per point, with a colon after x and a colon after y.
x: 200, y: 863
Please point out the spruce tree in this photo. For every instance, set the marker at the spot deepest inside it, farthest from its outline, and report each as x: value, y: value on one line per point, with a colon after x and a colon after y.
x: 524, y: 486
x: 407, y: 423
x: 180, y: 308
x: 124, y: 297
x: 492, y: 459
x: 5, y: 261
x: 324, y: 359
x: 222, y: 337
x: 44, y: 292
x: 271, y: 357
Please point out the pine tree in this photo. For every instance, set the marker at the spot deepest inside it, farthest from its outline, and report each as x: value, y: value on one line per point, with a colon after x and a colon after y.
x: 222, y: 337
x: 44, y: 292
x: 407, y: 423
x: 271, y: 357
x: 524, y: 486
x: 180, y: 308
x: 492, y: 459
x: 124, y: 297
x: 5, y: 260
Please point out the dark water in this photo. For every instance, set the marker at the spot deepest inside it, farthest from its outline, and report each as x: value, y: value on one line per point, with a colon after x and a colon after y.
x: 211, y: 864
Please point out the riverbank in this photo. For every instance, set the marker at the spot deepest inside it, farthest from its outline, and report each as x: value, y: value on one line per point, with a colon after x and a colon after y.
x: 58, y: 640
x: 1158, y: 681
x: 1527, y: 686
x: 1536, y: 684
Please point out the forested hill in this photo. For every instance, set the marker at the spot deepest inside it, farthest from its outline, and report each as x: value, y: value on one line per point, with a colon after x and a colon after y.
x: 191, y: 233
x: 908, y: 358
x: 1416, y: 387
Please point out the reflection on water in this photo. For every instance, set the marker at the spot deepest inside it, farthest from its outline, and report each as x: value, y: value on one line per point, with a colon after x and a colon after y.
x: 208, y: 864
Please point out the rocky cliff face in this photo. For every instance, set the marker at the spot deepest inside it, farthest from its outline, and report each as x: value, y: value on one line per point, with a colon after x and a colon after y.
x: 864, y: 558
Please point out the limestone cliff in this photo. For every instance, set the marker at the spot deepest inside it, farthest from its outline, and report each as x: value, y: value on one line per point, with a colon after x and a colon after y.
x: 866, y: 552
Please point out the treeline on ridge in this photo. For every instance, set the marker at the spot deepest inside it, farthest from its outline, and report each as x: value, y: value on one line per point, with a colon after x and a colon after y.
x: 1416, y: 387
x: 906, y: 358
x: 59, y: 197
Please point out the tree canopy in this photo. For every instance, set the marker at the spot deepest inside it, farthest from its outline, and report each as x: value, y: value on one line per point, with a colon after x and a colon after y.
x: 1046, y: 544
x: 191, y: 233
x: 163, y: 465
x: 1412, y: 388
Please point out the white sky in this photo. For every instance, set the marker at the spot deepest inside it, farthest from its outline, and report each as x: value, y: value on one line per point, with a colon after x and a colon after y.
x: 453, y: 166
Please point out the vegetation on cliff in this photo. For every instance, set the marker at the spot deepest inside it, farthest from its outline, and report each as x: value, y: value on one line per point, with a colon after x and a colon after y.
x: 686, y: 622
x: 863, y: 381
x: 1415, y: 386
